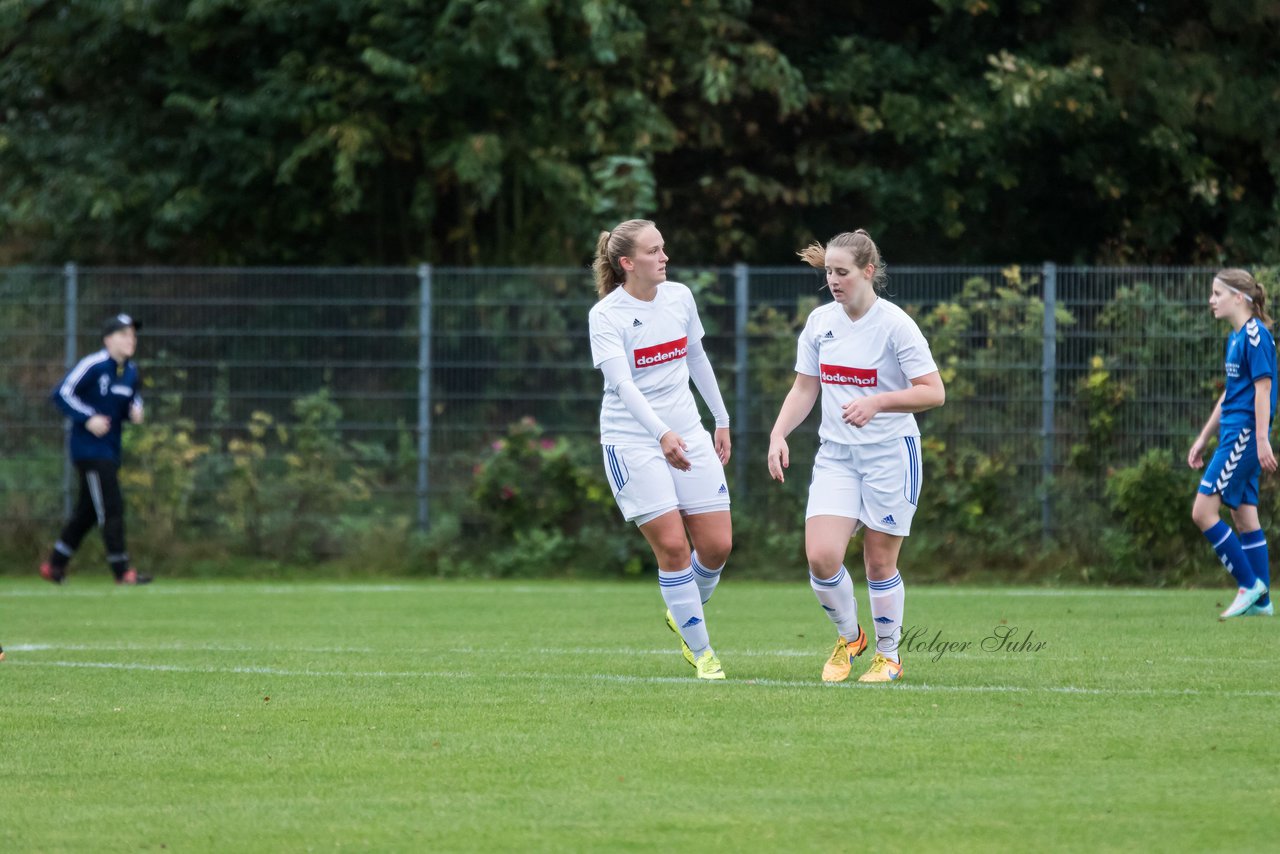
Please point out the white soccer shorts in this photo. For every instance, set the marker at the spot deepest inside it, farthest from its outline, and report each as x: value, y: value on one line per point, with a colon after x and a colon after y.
x: 878, y: 484
x: 645, y: 485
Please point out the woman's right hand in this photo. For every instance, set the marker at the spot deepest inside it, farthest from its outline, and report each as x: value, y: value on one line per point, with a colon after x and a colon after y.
x: 1195, y: 457
x: 673, y: 448
x: 779, y: 458
x: 98, y: 425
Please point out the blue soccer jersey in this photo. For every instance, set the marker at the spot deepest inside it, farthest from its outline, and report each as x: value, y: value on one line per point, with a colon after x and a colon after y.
x: 1250, y: 356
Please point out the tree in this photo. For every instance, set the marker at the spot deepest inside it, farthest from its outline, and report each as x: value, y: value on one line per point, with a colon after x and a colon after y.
x: 486, y: 132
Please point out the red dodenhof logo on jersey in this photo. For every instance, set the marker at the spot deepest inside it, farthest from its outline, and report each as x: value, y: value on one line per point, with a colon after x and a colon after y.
x: 840, y: 375
x: 660, y: 354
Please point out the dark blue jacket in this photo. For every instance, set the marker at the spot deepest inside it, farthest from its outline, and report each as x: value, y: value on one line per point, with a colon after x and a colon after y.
x: 98, y: 385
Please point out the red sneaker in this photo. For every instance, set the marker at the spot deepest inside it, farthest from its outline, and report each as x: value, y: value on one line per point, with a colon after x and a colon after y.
x: 131, y: 577
x: 49, y: 572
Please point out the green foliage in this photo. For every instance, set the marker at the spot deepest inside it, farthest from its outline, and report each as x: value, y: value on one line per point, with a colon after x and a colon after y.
x: 159, y: 482
x: 285, y: 487
x: 1153, y: 539
x: 470, y: 131
x: 545, y: 507
x: 1100, y: 397
x: 532, y: 482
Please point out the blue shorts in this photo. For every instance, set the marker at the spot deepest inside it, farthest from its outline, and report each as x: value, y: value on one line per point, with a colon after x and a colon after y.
x: 1233, y: 471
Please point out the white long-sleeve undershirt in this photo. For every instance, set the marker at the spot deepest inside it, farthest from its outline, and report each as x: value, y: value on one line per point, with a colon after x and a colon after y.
x: 617, y: 378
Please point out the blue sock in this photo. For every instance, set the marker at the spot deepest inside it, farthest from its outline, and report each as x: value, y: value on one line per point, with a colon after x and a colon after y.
x: 1254, y: 544
x: 1224, y: 542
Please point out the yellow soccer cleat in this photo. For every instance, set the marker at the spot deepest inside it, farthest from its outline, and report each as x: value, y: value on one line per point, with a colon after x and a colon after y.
x: 684, y: 647
x: 840, y: 664
x: 882, y: 670
x: 708, y: 666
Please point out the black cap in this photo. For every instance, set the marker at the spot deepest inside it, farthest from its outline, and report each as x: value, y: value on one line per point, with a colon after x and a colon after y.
x: 120, y: 321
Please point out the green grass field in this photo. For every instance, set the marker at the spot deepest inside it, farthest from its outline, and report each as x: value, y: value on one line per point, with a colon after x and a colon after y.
x: 442, y: 716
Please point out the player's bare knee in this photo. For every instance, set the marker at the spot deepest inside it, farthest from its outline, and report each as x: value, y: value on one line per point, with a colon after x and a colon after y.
x: 824, y: 563
x: 714, y: 554
x: 672, y: 555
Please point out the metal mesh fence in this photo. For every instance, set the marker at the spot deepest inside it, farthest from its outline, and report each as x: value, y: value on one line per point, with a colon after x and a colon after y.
x: 429, y: 366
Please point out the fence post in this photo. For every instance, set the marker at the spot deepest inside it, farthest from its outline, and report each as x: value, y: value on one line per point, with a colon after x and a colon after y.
x: 424, y: 393
x: 71, y: 288
x: 741, y: 452
x: 1048, y: 391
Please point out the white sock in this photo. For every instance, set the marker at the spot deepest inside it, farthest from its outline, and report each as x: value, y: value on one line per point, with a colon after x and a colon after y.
x: 887, y: 599
x: 681, y: 595
x: 706, y: 577
x: 835, y: 595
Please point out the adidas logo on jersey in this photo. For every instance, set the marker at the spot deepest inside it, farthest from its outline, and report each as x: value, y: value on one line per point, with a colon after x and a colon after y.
x: 723, y: 490
x: 636, y: 322
x: 829, y: 334
x: 888, y: 520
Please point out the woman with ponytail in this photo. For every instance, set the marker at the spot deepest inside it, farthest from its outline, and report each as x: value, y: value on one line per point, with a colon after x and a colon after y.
x: 666, y: 471
x: 1242, y: 418
x: 872, y: 367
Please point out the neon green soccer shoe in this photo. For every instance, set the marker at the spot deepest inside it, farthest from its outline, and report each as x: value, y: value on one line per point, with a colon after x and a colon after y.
x: 684, y: 647
x: 708, y: 666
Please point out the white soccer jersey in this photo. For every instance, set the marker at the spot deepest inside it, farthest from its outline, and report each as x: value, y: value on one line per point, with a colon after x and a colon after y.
x: 654, y: 339
x: 882, y: 351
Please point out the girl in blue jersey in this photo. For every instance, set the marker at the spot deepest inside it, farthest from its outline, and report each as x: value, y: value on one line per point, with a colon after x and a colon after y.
x: 1242, y: 416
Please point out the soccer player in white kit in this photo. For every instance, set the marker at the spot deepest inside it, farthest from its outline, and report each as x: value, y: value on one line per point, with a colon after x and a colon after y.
x: 873, y: 368
x: 665, y: 470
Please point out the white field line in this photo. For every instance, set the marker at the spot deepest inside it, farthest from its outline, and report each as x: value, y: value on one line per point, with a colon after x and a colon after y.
x: 647, y: 680
x: 814, y: 654
x: 182, y: 647
x: 187, y: 588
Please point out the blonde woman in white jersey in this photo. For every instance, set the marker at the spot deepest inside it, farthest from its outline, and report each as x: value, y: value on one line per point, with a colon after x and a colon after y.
x: 666, y: 471
x: 873, y: 368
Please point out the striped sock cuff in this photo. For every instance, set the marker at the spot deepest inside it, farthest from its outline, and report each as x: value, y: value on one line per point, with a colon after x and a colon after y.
x: 886, y: 585
x: 1217, y: 535
x: 674, y: 579
x: 1253, y: 539
x: 833, y: 581
x: 702, y: 570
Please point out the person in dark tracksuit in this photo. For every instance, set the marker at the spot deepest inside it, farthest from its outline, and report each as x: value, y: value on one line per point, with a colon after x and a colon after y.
x: 98, y: 394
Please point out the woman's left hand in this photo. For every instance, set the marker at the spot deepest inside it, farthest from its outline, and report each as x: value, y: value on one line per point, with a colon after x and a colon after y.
x: 1266, y: 457
x: 722, y: 445
x: 859, y: 412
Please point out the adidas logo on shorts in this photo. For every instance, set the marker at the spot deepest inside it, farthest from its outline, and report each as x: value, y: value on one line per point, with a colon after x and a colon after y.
x: 888, y: 520
x: 724, y: 490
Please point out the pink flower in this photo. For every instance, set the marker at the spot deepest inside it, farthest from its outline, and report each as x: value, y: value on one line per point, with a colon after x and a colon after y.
x: 507, y: 493
x: 548, y: 444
